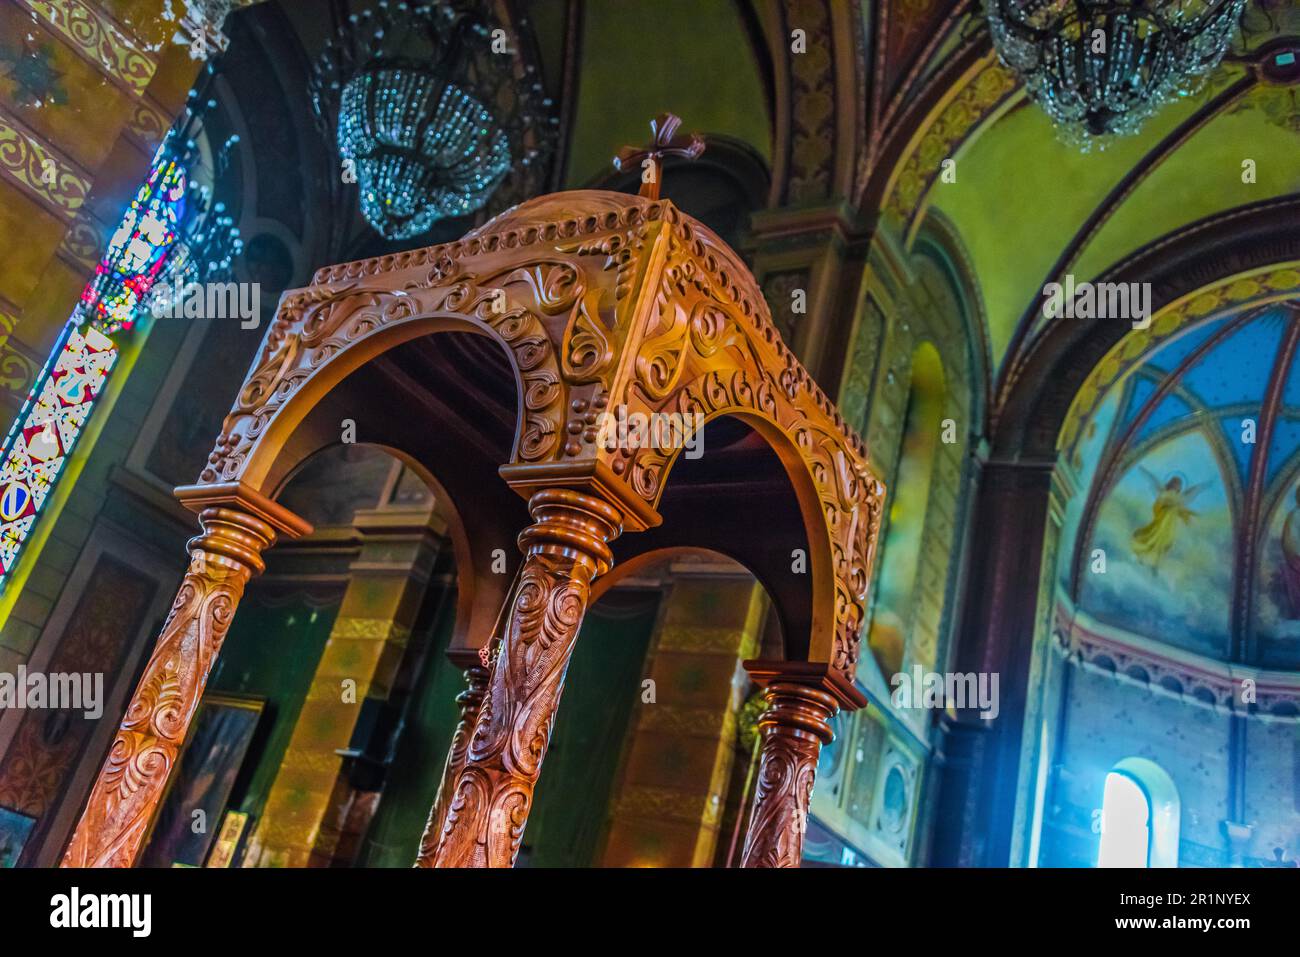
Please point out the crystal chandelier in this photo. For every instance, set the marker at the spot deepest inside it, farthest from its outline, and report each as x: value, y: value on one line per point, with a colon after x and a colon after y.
x: 1102, y: 67
x: 430, y: 118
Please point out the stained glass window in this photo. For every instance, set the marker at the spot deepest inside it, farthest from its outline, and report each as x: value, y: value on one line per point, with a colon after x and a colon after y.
x: 64, y: 394
x: 46, y: 430
x: 138, y: 250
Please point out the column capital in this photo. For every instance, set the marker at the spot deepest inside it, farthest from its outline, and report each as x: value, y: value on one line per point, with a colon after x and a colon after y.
x: 241, y: 497
x: 233, y: 539
x: 793, y: 730
x: 800, y: 708
x: 574, y: 525
x: 811, y: 674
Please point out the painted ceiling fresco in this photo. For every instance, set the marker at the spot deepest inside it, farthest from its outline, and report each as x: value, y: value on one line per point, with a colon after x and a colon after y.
x: 1185, y: 528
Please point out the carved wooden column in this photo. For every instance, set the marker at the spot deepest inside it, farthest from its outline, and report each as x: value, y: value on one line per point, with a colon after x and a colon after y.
x: 470, y: 701
x: 133, y: 779
x: 794, y: 728
x: 564, y: 549
x: 477, y: 675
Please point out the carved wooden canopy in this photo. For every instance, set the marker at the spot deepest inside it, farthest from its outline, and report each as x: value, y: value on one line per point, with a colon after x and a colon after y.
x: 598, y: 300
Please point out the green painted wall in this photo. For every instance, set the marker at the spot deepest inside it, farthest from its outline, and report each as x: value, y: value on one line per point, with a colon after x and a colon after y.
x: 568, y: 817
x: 642, y: 57
x: 604, y: 681
x: 1204, y: 178
x: 271, y: 652
x: 394, y: 834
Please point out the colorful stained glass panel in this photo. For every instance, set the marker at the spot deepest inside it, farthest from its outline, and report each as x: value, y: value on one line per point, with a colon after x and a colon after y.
x: 48, y: 428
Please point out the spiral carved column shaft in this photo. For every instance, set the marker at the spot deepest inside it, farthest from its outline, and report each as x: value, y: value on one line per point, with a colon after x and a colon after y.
x: 470, y: 700
x: 130, y: 786
x: 564, y: 549
x: 794, y: 728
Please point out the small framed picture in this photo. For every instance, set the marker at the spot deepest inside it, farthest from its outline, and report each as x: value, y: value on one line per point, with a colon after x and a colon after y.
x: 214, y: 754
x: 232, y: 829
x: 15, y: 828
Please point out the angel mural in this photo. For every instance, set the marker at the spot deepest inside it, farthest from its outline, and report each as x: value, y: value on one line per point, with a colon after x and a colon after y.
x: 1152, y: 542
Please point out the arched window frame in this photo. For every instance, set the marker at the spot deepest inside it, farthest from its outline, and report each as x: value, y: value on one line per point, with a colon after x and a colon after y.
x: 1164, y: 810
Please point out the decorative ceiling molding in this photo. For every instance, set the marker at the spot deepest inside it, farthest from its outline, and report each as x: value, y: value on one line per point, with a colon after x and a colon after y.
x: 979, y: 98
x: 25, y: 159
x: 901, y: 58
x: 1262, y: 286
x: 812, y: 105
x: 1138, y: 661
x: 818, y: 132
x: 83, y: 243
x: 97, y: 39
x: 147, y: 123
x: 896, y: 128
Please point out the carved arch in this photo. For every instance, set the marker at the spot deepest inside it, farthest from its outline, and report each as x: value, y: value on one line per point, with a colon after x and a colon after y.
x: 321, y: 336
x: 600, y: 300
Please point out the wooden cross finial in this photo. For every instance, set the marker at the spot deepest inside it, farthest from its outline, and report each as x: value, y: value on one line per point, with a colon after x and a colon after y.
x: 651, y: 158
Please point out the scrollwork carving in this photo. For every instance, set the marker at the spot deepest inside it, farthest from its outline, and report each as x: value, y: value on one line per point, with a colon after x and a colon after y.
x: 570, y: 284
x: 131, y: 784
x: 793, y: 729
x: 564, y: 550
x: 470, y: 701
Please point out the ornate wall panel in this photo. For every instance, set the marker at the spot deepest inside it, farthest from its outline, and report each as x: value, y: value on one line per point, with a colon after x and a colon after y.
x: 48, y: 744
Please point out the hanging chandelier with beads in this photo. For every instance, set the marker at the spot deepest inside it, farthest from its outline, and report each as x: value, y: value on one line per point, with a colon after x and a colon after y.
x: 1101, y: 68
x: 435, y: 113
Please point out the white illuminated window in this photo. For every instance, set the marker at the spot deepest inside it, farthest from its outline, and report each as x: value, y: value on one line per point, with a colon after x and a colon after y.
x: 1125, y: 823
x: 1140, y: 816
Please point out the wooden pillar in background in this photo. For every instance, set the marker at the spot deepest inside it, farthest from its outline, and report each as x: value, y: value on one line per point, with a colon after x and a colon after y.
x: 565, y: 548
x: 673, y: 788
x: 793, y: 730
x: 131, y: 784
x: 470, y: 701
x: 478, y: 672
